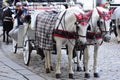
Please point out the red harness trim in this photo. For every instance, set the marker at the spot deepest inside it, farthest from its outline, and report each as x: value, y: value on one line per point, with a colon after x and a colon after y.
x: 94, y: 35
x: 64, y: 34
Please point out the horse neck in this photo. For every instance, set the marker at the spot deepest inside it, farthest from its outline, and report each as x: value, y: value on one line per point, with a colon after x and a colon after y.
x: 67, y: 22
x: 94, y: 18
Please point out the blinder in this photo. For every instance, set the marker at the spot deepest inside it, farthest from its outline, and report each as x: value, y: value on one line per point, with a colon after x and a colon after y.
x: 77, y: 29
x: 98, y: 23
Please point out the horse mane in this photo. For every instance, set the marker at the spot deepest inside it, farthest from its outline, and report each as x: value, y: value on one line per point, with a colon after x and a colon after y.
x: 76, y: 9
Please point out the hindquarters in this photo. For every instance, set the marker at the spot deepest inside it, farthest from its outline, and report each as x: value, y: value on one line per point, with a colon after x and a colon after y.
x: 7, y: 26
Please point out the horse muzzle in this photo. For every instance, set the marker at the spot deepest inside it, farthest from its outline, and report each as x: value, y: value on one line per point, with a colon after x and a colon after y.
x: 82, y: 42
x: 106, y: 38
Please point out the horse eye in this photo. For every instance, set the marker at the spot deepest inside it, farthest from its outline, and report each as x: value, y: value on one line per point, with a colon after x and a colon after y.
x: 101, y: 22
x: 77, y: 28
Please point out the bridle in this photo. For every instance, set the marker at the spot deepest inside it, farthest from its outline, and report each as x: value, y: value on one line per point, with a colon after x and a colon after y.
x: 77, y: 29
x: 104, y: 24
x: 64, y: 28
x: 81, y: 22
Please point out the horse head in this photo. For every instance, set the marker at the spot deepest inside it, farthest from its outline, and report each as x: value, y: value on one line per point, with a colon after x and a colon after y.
x: 82, y: 24
x: 104, y: 23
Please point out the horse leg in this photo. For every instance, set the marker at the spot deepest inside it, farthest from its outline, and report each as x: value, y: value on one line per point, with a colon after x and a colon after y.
x: 47, y: 61
x: 7, y: 42
x: 3, y: 35
x: 51, y: 68
x: 114, y: 29
x: 86, y: 61
x: 76, y: 54
x: 118, y: 30
x: 70, y: 55
x: 58, y: 48
x: 96, y: 47
x: 115, y: 32
x: 78, y: 61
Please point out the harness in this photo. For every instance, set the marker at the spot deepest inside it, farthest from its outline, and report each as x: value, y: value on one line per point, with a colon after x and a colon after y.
x: 105, y: 17
x: 66, y: 34
x: 95, y: 34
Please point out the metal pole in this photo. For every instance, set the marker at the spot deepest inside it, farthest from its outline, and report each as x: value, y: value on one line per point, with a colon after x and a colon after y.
x: 94, y: 3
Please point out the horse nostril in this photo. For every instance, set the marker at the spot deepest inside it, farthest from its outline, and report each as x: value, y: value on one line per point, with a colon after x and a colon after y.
x: 106, y: 39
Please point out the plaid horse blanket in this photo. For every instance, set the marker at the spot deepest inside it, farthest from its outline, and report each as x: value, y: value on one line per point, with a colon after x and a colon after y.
x: 45, y: 24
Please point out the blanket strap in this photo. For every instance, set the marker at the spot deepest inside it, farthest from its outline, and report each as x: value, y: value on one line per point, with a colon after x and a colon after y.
x: 61, y: 19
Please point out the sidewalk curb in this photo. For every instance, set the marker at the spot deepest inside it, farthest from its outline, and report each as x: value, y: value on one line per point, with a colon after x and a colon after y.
x: 25, y: 73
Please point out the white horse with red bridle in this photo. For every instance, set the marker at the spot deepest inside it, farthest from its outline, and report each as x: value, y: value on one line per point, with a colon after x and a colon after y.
x: 73, y: 22
x: 97, y: 33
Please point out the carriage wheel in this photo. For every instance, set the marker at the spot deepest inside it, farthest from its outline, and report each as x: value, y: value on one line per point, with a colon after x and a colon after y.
x: 27, y: 50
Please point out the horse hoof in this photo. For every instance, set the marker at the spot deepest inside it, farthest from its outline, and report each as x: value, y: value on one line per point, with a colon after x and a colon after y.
x: 58, y: 76
x: 96, y: 75
x: 51, y: 68
x: 79, y: 68
x: 47, y: 70
x: 3, y: 40
x: 87, y: 75
x: 7, y: 43
x: 71, y: 76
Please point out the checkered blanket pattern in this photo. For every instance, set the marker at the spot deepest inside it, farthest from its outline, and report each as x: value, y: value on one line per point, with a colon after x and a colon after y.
x: 45, y: 24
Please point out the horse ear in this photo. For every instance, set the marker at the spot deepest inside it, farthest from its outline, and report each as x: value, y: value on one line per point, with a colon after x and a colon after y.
x: 99, y: 12
x: 78, y: 16
x: 88, y: 14
x: 111, y: 11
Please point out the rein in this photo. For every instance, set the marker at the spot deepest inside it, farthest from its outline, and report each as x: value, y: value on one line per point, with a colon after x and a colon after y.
x: 77, y: 29
x: 103, y: 32
x: 66, y: 34
x: 76, y: 35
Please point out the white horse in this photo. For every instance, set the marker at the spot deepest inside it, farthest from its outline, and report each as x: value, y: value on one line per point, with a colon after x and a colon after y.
x: 70, y: 21
x: 116, y: 17
x: 99, y: 32
x: 74, y: 18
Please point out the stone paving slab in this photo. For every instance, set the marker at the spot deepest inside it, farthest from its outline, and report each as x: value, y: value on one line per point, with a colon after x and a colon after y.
x: 9, y: 70
x: 6, y: 73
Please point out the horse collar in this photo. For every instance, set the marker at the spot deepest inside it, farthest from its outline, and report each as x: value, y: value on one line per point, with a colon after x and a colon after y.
x: 65, y: 34
x: 94, y: 35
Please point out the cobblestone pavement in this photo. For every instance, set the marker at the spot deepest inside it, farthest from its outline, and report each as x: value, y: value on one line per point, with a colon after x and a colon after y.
x: 108, y: 62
